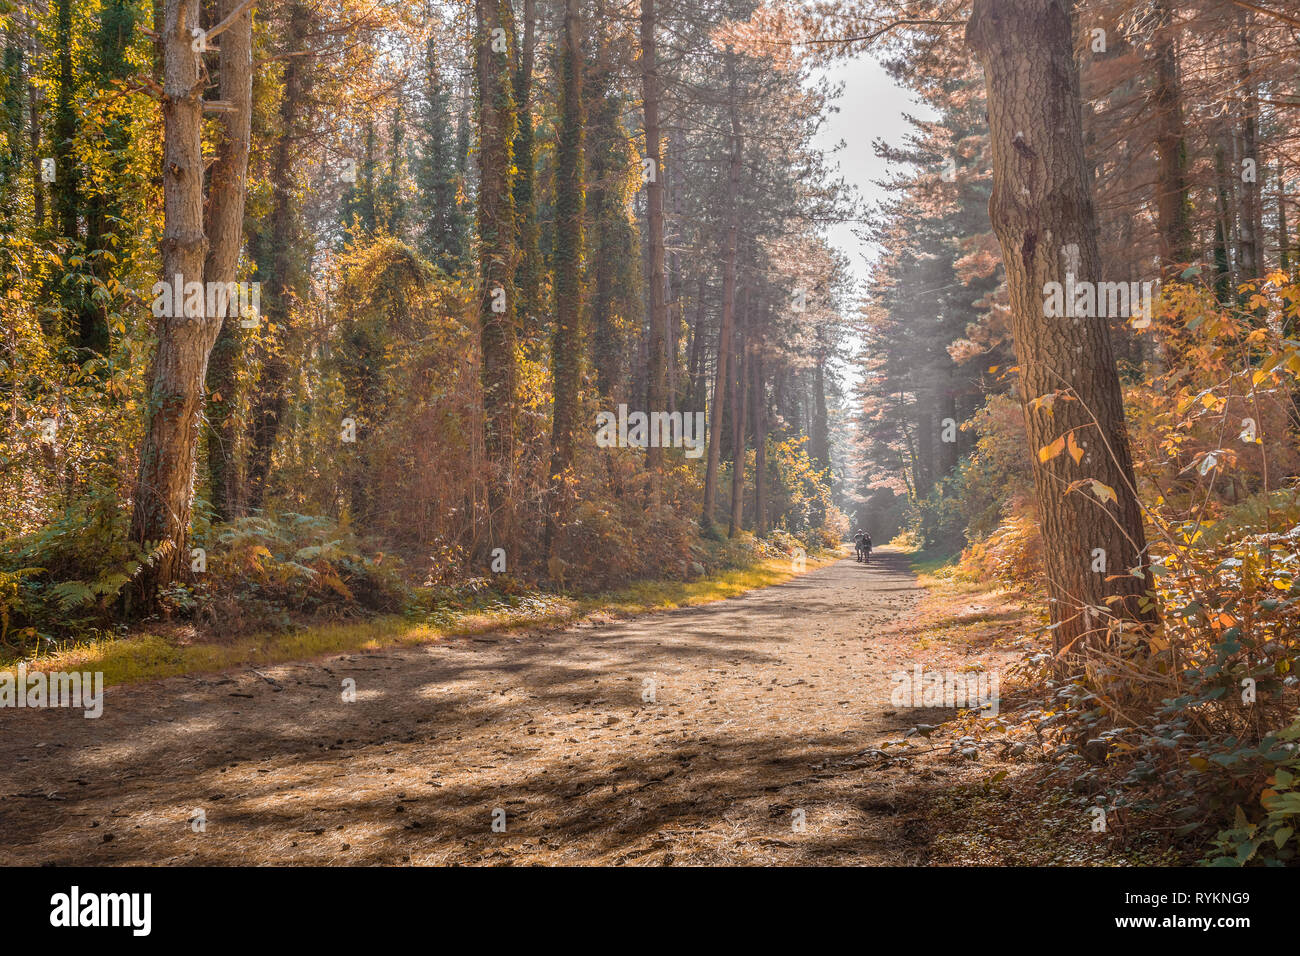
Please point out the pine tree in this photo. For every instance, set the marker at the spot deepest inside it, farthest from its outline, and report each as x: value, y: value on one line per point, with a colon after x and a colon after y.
x: 443, y: 239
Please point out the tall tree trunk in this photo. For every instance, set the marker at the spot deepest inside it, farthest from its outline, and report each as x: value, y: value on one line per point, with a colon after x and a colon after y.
x: 613, y: 240
x: 728, y: 299
x: 1251, y: 229
x: 948, y: 410
x: 11, y: 158
x: 497, y: 258
x: 1283, y: 239
x: 33, y: 51
x: 566, y: 339
x: 224, y: 225
x: 117, y: 24
x: 821, y: 442
x: 650, y: 93
x: 739, y: 425
x: 695, y: 399
x: 89, y: 326
x: 1224, y: 282
x: 675, y: 309
x: 67, y: 182
x: 528, y: 274
x: 34, y: 138
x: 760, y: 444
x: 277, y: 260
x: 1173, y: 203
x: 165, y: 487
x: 819, y: 429
x: 925, y: 441
x: 1043, y: 216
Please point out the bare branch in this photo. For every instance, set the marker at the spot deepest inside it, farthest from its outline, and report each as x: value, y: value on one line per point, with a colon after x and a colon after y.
x: 877, y: 34
x: 229, y: 22
x: 1276, y: 14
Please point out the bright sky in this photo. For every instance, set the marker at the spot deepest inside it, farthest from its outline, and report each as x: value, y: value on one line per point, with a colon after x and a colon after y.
x: 871, y: 108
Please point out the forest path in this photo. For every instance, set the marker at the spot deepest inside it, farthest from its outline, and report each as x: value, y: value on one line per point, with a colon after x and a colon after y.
x: 764, y: 705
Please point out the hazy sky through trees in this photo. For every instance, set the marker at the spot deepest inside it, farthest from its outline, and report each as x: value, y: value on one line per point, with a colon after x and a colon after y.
x: 871, y: 107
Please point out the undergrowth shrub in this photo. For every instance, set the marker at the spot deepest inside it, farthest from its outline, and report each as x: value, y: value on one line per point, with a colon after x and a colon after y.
x: 1012, y: 553
x: 1192, y: 726
x: 61, y: 581
x: 985, y: 506
x: 264, y: 571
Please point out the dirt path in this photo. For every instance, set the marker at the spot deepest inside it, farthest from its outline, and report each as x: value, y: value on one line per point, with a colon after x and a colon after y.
x: 763, y: 706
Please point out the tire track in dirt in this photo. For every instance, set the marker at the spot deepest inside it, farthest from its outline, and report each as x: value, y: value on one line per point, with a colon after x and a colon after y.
x: 763, y: 706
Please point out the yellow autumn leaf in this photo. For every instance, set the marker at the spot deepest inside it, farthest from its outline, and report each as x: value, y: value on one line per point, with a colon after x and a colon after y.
x: 1103, y: 492
x: 1075, y: 451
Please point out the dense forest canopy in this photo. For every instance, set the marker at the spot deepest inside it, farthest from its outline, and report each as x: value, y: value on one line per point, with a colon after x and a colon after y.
x: 456, y: 248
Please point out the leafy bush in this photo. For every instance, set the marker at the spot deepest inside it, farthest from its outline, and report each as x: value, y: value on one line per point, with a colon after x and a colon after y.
x: 61, y: 581
x: 1273, y: 840
x: 941, y: 521
x: 799, y: 490
x: 262, y: 570
x: 1193, y: 723
x: 1012, y: 554
x: 982, y: 503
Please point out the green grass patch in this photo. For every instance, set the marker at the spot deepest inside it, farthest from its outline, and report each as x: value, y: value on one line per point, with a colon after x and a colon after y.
x: 933, y: 564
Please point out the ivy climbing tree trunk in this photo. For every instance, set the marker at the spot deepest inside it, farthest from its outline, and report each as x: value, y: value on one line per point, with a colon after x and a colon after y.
x: 656, y: 391
x: 528, y: 274
x: 228, y: 187
x: 1043, y: 216
x: 90, y: 330
x: 566, y: 339
x: 612, y: 238
x: 497, y: 256
x: 277, y: 260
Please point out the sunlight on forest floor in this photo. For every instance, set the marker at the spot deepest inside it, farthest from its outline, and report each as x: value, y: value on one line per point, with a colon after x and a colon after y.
x: 151, y: 656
